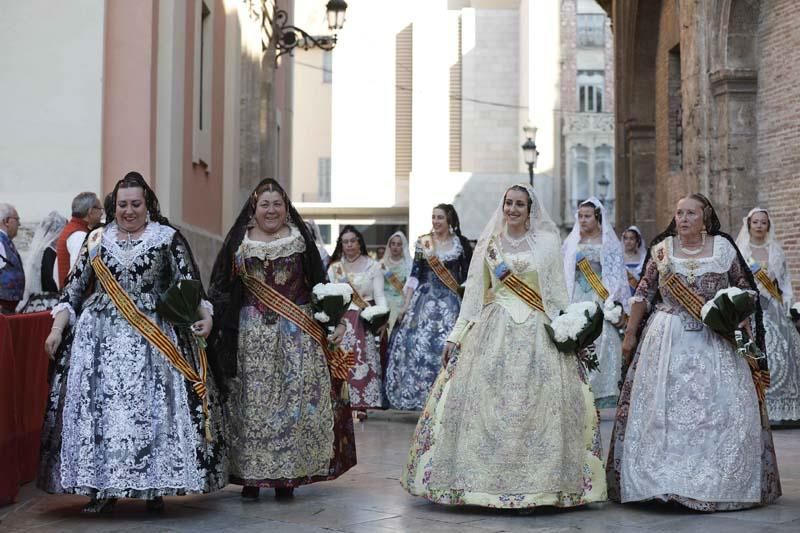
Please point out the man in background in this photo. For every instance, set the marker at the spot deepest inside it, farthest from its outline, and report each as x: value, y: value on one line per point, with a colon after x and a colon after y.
x: 86, y: 215
x: 12, y: 275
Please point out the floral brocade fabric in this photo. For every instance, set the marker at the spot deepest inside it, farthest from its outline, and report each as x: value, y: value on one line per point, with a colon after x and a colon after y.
x: 290, y: 424
x: 688, y: 425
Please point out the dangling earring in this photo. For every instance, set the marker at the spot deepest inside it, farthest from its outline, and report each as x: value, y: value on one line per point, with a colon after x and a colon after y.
x: 451, y: 229
x: 528, y: 223
x: 147, y: 218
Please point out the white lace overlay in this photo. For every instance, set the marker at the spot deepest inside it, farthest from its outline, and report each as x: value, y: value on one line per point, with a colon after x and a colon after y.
x: 268, y: 251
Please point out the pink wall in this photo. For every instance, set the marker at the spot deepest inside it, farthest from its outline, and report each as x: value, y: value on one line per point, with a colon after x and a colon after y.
x: 202, y: 191
x: 129, y: 90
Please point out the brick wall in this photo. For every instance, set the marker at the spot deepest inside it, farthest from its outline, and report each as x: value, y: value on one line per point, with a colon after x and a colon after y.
x: 778, y: 119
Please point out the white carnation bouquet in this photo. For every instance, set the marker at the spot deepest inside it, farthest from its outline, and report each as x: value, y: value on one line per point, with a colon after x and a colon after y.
x: 375, y: 316
x: 575, y: 329
x: 330, y: 302
x: 612, y: 312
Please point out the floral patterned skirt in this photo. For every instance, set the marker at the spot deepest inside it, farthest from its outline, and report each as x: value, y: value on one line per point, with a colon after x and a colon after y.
x: 366, y: 376
x: 783, y: 357
x: 510, y: 423
x: 289, y: 423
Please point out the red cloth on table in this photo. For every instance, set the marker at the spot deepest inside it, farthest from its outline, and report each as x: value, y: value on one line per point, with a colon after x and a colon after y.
x: 23, y: 397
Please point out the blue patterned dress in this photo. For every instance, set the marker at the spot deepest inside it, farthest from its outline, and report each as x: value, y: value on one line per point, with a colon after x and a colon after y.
x: 415, y: 348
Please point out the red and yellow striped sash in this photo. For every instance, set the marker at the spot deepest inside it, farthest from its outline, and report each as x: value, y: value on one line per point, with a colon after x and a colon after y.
x: 768, y: 284
x: 155, y: 336
x: 339, y: 362
x: 514, y: 283
x: 633, y: 281
x: 341, y: 275
x: 394, y: 281
x: 592, y: 277
x: 436, y: 265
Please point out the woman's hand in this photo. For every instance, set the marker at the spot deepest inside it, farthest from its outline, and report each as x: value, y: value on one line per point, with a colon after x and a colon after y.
x: 628, y: 347
x: 745, y: 325
x: 382, y: 329
x: 52, y: 342
x: 337, y: 336
x: 447, y: 351
x: 202, y: 328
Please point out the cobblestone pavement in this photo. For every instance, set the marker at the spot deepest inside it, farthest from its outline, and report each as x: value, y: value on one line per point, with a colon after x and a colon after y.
x: 370, y: 499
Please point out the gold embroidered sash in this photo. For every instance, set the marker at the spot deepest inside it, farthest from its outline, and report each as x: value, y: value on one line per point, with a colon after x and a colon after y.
x: 771, y: 287
x: 341, y: 275
x: 339, y: 362
x: 591, y: 276
x: 436, y: 265
x: 633, y: 281
x: 392, y: 278
x: 149, y: 329
x: 514, y: 283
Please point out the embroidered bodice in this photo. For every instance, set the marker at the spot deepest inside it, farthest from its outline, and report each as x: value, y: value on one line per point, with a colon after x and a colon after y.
x: 277, y: 263
x: 368, y: 282
x: 455, y: 260
x: 522, y: 264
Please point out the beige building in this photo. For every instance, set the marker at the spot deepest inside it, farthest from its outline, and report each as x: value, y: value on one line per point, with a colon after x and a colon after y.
x: 427, y: 106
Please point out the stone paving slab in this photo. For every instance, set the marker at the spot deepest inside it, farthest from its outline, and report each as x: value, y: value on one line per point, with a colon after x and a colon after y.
x: 369, y: 499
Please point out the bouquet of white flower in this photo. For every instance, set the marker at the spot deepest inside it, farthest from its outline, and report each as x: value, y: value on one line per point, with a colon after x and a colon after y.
x: 375, y: 316
x: 576, y: 328
x: 794, y: 312
x: 723, y: 314
x: 612, y: 312
x: 330, y: 302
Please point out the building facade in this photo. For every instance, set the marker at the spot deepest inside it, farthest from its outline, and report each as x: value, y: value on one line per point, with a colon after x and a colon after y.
x: 428, y: 106
x: 186, y: 92
x: 706, y: 93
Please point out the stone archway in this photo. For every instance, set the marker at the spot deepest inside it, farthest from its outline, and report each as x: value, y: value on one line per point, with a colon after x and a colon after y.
x: 733, y: 173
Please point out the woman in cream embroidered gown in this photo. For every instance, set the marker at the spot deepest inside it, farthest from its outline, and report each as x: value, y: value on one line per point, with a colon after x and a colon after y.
x: 758, y: 244
x: 290, y: 421
x: 121, y: 420
x: 689, y: 426
x: 351, y: 264
x: 396, y: 261
x: 593, y: 236
x: 428, y: 314
x: 510, y: 421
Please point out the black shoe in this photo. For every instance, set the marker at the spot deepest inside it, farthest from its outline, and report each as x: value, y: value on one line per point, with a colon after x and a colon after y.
x: 155, y: 505
x: 250, y: 493
x: 284, y: 493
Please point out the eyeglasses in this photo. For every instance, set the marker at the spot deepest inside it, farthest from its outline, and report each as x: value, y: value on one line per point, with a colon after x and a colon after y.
x: 97, y: 208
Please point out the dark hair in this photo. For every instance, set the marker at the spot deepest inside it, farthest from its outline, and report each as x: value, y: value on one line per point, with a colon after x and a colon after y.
x: 451, y: 215
x: 712, y: 223
x: 337, y: 252
x: 598, y: 213
x: 130, y: 181
x: 226, y: 290
x: 636, y: 234
x: 769, y: 220
x: 521, y: 189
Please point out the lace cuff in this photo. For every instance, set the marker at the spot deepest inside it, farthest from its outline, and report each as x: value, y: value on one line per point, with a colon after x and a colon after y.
x: 205, y: 304
x: 636, y: 299
x: 62, y: 306
x: 459, y: 331
x: 411, y: 283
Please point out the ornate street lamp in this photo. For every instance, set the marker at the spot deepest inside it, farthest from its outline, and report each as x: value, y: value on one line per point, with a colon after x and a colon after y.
x: 529, y: 150
x: 602, y: 187
x: 290, y: 37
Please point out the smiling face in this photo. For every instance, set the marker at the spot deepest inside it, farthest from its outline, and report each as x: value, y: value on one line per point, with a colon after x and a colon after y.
x: 759, y: 225
x: 131, y: 209
x: 270, y: 213
x: 396, y: 248
x: 439, y: 221
x: 587, y: 222
x: 350, y: 245
x: 689, y: 218
x: 631, y: 242
x: 515, y: 209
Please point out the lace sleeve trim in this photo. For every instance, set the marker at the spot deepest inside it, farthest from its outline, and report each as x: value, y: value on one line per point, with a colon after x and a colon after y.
x: 208, y: 306
x: 60, y: 307
x: 267, y: 251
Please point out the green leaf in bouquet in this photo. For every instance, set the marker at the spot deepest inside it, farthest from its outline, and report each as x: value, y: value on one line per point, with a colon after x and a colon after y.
x: 716, y: 322
x: 567, y: 346
x: 334, y: 306
x: 377, y: 322
x: 178, y: 305
x: 593, y: 331
x: 744, y: 304
x: 727, y: 311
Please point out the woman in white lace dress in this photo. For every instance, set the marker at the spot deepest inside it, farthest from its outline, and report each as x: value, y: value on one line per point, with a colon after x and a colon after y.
x: 510, y: 421
x: 690, y: 427
x: 351, y: 264
x: 122, y: 421
x: 764, y: 253
x: 593, y: 238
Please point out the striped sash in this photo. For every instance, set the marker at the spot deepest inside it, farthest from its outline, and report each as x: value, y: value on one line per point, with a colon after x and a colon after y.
x: 149, y: 329
x: 436, y: 265
x: 392, y: 278
x: 514, y: 283
x: 339, y: 362
x: 341, y: 275
x: 591, y: 276
x: 633, y: 281
x: 763, y: 278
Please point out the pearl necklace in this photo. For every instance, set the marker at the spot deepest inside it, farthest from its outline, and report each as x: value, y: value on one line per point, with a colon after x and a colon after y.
x: 515, y: 243
x: 693, y: 251
x: 758, y: 246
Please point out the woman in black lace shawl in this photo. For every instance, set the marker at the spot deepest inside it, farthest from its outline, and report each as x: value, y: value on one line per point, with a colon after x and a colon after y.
x: 690, y: 426
x: 289, y: 419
